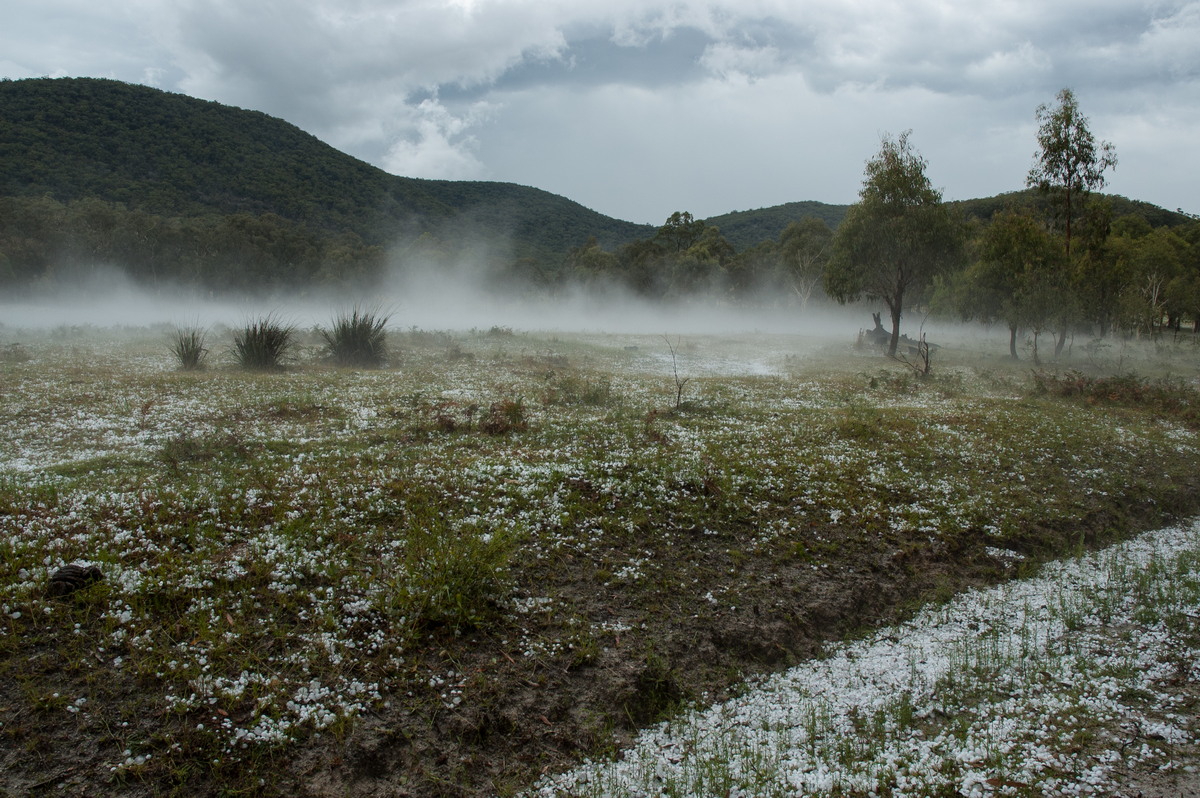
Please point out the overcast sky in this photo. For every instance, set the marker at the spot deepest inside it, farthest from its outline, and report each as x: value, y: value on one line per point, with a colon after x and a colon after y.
x: 638, y: 108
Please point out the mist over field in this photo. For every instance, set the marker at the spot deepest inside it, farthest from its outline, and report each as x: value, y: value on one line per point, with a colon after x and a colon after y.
x: 431, y: 300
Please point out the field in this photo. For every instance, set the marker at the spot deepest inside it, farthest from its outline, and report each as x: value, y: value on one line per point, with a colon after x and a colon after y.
x: 505, y: 552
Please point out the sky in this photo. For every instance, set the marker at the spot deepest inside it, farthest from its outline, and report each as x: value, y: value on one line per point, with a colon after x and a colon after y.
x: 639, y: 108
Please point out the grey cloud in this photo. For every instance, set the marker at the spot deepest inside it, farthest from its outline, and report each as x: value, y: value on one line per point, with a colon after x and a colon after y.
x: 783, y: 99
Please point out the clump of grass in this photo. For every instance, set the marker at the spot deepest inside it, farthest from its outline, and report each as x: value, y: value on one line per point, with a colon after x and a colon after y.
x: 575, y: 390
x: 456, y: 580
x: 358, y: 340
x: 263, y: 344
x: 187, y: 345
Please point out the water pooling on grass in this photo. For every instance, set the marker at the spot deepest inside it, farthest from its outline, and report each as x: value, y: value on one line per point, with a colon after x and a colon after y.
x: 1050, y: 685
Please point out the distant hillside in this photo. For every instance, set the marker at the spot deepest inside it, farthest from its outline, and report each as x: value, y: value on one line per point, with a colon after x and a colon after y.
x: 745, y: 229
x: 172, y: 155
x: 987, y: 207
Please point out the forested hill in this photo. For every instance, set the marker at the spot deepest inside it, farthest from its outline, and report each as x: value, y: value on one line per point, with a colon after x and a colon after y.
x: 745, y: 229
x: 172, y: 155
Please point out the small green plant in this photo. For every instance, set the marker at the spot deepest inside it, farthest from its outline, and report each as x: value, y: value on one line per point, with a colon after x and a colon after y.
x: 456, y: 580
x: 264, y: 344
x: 188, y: 347
x: 576, y: 390
x: 358, y: 340
x: 14, y: 353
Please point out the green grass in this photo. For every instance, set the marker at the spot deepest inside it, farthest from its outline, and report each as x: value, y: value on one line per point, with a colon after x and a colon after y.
x: 187, y: 345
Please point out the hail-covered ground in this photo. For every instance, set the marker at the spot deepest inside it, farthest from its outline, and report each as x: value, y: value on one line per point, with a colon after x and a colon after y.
x: 1079, y: 681
x: 505, y: 552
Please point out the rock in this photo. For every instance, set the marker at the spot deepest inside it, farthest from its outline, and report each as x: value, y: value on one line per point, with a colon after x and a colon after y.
x: 69, y: 578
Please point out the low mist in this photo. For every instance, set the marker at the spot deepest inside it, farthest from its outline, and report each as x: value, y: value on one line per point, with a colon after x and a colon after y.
x: 463, y: 298
x: 423, y: 298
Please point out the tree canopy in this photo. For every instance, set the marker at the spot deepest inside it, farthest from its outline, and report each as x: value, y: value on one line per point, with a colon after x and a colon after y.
x: 897, y: 238
x: 1070, y: 162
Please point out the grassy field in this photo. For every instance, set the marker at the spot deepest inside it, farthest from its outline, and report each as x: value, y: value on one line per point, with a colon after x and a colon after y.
x: 505, y: 552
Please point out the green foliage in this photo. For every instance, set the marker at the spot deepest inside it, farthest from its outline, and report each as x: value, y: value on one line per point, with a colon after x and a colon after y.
x: 1070, y: 163
x: 188, y: 347
x: 897, y: 239
x: 263, y: 345
x: 169, y: 157
x: 745, y: 229
x: 456, y: 579
x: 358, y: 340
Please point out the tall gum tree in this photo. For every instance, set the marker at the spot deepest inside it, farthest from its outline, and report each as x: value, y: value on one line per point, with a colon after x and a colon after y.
x: 1070, y: 162
x: 897, y: 238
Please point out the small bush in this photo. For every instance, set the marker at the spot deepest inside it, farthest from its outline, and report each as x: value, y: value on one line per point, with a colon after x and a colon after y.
x: 263, y: 344
x: 14, y: 353
x: 358, y: 340
x: 505, y: 416
x: 573, y: 390
x: 188, y: 348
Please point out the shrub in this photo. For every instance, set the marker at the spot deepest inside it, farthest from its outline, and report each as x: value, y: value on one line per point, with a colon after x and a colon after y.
x: 358, y: 340
x: 263, y: 344
x: 505, y: 416
x: 188, y: 348
x: 1166, y: 396
x: 573, y: 390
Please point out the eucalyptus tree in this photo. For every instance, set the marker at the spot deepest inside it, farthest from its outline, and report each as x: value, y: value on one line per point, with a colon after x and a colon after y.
x: 1070, y: 162
x: 897, y: 238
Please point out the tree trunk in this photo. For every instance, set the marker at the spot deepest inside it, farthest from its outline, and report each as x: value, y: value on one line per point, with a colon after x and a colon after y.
x: 1012, y: 342
x: 1060, y: 342
x: 895, y: 342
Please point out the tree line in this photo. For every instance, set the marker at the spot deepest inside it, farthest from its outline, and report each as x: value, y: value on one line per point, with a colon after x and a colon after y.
x: 1068, y: 267
x: 1050, y: 263
x: 49, y: 244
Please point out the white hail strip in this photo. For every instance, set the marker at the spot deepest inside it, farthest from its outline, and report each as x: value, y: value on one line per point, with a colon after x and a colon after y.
x: 979, y: 696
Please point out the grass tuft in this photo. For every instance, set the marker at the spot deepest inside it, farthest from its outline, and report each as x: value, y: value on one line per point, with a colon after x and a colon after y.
x: 505, y: 416
x: 188, y: 347
x: 263, y: 345
x: 358, y: 340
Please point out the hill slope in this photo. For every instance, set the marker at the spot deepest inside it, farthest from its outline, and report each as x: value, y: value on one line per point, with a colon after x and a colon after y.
x: 173, y: 155
x: 744, y: 229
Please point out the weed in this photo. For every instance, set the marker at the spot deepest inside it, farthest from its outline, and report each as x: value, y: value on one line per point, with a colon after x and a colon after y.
x: 1165, y: 396
x: 358, y: 340
x: 576, y: 390
x: 14, y: 353
x: 456, y: 579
